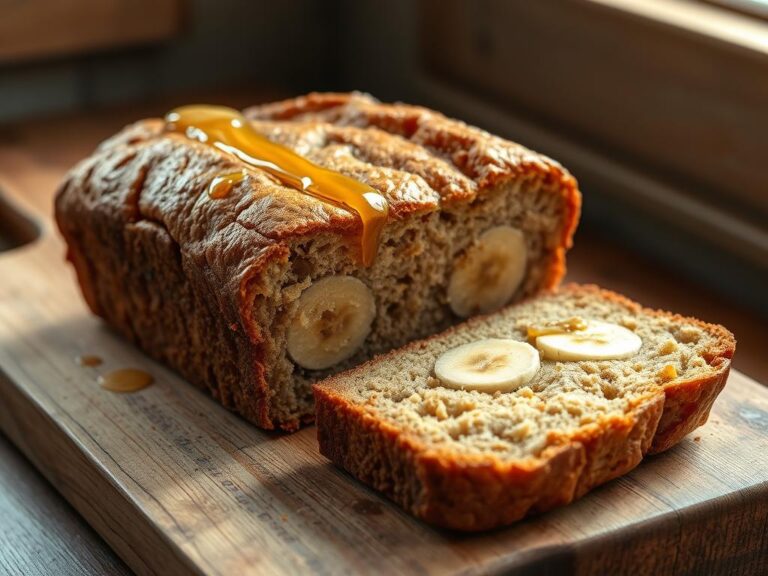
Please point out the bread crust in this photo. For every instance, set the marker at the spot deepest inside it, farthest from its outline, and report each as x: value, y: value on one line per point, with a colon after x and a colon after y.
x: 687, y: 402
x: 178, y: 275
x: 467, y: 493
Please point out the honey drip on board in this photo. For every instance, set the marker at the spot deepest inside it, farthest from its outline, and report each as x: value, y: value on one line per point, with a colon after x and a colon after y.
x: 89, y: 360
x: 125, y: 380
x: 227, y: 130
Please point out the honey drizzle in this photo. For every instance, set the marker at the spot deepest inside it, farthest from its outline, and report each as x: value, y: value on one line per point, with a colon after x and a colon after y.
x: 222, y: 185
x: 573, y: 324
x: 227, y: 130
x: 125, y: 380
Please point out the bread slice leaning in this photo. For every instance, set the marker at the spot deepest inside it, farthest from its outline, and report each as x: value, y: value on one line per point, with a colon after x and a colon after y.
x: 470, y: 460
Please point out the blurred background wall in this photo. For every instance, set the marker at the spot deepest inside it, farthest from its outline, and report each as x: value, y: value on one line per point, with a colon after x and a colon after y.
x: 660, y: 107
x: 67, y: 55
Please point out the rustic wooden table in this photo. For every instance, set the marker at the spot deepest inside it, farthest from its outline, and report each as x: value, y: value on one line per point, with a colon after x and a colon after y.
x: 41, y: 534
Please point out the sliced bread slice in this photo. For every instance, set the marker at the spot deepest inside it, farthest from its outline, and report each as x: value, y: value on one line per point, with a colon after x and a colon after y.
x: 473, y: 460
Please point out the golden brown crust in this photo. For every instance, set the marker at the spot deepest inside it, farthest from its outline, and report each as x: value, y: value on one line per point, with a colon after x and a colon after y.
x: 488, y: 495
x: 472, y: 494
x: 477, y: 493
x: 485, y: 159
x: 687, y: 407
x: 178, y: 274
x: 481, y: 159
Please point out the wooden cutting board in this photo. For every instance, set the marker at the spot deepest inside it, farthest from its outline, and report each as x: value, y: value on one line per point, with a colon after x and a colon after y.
x: 176, y: 484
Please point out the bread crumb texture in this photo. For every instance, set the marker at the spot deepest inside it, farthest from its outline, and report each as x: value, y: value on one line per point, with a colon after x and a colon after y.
x: 563, y: 400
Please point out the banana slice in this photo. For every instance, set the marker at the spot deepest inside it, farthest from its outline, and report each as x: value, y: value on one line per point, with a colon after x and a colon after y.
x: 486, y: 276
x: 333, y: 320
x: 598, y: 341
x: 488, y: 365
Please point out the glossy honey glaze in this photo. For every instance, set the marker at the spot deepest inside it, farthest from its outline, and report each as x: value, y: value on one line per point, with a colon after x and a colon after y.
x: 126, y: 380
x: 222, y: 185
x: 227, y: 130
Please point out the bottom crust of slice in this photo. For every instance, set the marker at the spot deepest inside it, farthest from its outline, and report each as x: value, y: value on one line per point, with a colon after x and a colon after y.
x: 472, y: 495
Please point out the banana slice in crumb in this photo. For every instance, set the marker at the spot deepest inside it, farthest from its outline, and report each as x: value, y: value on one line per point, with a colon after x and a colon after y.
x: 487, y: 275
x: 489, y: 365
x: 333, y: 320
x: 598, y: 341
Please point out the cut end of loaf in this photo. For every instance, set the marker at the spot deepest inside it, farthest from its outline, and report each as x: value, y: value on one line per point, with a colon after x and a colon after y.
x: 410, y: 278
x: 481, y: 460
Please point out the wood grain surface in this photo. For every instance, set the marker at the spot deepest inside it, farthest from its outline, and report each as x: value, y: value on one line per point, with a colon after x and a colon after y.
x: 41, y: 534
x: 175, y: 484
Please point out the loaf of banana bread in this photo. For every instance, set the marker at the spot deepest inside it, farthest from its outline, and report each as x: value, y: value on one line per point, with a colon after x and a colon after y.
x: 524, y: 409
x: 257, y: 253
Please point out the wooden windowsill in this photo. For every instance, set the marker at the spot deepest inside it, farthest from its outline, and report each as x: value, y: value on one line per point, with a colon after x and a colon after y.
x: 706, y: 20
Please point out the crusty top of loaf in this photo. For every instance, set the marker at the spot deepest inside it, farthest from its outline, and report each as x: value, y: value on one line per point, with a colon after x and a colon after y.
x: 417, y: 158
